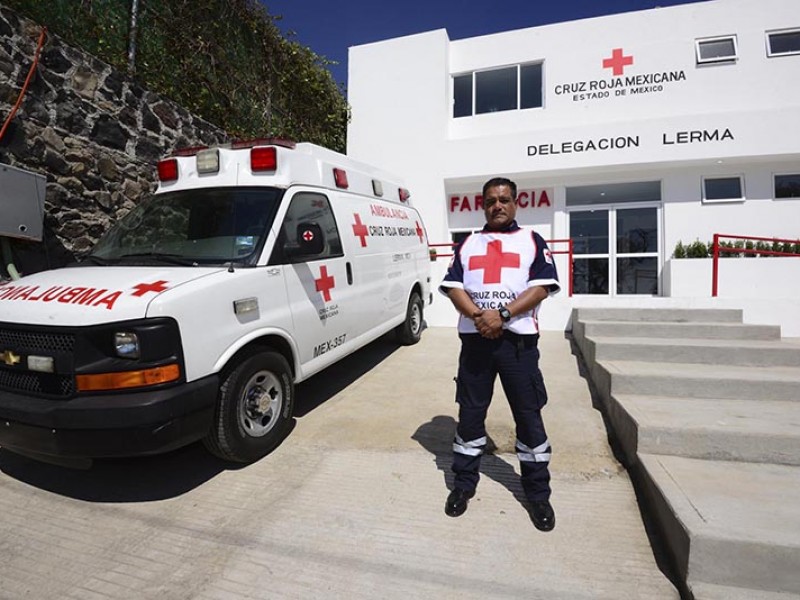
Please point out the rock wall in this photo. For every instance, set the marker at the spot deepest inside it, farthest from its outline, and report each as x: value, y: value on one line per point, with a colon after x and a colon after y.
x: 92, y: 130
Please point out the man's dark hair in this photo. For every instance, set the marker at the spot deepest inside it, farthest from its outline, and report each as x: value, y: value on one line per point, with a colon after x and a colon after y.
x: 496, y: 181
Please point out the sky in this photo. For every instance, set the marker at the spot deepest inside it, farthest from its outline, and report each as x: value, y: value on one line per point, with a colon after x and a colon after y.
x: 330, y: 27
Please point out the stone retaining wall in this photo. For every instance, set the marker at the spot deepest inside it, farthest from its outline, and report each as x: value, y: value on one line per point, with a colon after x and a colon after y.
x: 92, y: 130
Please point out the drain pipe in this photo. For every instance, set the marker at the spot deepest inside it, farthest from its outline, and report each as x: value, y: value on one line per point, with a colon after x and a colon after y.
x: 8, y: 260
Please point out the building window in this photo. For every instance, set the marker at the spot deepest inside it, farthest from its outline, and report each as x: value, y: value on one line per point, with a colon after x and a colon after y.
x: 787, y: 186
x: 782, y: 43
x: 718, y: 49
x: 722, y: 189
x: 495, y: 90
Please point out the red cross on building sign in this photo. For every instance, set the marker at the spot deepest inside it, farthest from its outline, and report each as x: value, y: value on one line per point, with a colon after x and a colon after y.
x: 493, y: 262
x: 325, y: 283
x: 617, y: 62
x: 143, y: 288
x: 360, y: 230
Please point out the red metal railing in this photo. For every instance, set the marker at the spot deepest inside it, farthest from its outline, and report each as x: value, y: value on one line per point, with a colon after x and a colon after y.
x: 568, y: 251
x: 717, y: 249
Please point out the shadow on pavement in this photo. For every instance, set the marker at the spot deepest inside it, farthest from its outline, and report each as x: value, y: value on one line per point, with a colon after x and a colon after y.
x: 320, y: 388
x: 138, y: 479
x: 436, y: 436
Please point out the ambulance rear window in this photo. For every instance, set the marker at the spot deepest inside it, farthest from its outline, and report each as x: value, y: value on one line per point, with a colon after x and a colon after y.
x: 204, y: 226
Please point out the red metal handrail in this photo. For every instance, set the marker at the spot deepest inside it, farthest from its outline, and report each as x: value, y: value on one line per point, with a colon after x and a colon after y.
x: 568, y: 251
x: 717, y: 249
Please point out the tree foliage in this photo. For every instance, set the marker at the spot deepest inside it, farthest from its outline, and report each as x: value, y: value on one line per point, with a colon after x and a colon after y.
x: 224, y: 60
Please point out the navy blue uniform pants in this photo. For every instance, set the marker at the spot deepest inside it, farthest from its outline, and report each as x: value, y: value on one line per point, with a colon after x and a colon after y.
x: 515, y: 358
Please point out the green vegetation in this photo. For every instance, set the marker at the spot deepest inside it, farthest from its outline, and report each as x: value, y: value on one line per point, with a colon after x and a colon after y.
x: 223, y: 60
x: 698, y: 249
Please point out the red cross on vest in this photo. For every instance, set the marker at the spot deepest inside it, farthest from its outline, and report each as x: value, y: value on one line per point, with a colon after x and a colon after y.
x: 325, y: 283
x: 143, y: 288
x: 617, y: 62
x: 493, y: 261
x: 360, y: 230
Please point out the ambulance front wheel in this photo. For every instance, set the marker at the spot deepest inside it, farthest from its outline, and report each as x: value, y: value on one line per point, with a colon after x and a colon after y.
x: 254, y: 408
x: 410, y: 331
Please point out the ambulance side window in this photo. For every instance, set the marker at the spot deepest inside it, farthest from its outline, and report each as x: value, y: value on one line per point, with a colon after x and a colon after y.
x: 306, y: 208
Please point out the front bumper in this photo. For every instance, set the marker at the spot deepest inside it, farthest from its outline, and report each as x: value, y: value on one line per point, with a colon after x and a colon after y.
x: 109, y: 425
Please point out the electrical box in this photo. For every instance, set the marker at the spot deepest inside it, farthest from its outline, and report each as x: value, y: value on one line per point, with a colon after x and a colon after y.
x: 21, y: 203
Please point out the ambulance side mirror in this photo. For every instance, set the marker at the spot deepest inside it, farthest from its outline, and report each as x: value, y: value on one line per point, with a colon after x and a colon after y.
x: 310, y: 239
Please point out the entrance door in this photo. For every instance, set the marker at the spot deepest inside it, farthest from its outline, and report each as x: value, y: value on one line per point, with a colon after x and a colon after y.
x: 616, y: 238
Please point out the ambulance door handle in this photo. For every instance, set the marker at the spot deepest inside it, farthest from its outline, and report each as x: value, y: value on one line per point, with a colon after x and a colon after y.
x: 349, y: 274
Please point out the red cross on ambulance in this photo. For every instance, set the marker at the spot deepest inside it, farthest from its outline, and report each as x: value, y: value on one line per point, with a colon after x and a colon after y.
x: 143, y: 288
x: 493, y: 262
x: 325, y: 283
x: 360, y: 230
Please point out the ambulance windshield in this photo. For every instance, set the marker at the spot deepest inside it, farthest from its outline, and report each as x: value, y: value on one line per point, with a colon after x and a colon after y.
x: 192, y: 227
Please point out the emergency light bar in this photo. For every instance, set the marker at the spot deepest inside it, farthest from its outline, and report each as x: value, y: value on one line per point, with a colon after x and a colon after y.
x: 168, y: 169
x: 340, y: 177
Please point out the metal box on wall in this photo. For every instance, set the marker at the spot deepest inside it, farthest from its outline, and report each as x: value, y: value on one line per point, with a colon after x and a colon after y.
x: 21, y: 203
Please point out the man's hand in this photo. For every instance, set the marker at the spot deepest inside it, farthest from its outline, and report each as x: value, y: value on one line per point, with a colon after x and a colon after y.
x: 489, y: 324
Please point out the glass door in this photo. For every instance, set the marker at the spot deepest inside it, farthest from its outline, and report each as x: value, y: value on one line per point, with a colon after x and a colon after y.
x: 615, y: 250
x: 637, y: 250
x: 589, y: 231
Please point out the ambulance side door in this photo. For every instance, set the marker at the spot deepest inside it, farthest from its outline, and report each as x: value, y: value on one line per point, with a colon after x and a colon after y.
x: 318, y: 284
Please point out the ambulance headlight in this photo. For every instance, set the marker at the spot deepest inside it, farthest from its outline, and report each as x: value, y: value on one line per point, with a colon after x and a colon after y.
x: 126, y: 344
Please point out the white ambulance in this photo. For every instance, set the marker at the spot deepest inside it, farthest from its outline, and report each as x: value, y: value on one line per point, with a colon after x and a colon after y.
x: 254, y: 266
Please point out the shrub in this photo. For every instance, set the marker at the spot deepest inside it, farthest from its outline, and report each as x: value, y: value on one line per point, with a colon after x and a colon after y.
x: 697, y: 249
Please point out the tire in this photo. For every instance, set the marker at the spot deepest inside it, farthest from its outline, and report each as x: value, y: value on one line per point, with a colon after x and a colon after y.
x: 410, y: 331
x: 254, y: 408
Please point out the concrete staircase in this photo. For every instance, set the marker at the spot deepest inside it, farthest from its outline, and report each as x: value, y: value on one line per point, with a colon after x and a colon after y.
x: 705, y: 413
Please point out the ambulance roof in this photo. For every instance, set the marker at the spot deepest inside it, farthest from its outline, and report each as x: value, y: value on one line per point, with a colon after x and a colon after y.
x: 275, y: 163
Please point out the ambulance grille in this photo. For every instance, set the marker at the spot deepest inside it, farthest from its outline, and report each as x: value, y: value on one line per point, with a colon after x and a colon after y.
x: 42, y: 384
x: 26, y: 342
x: 32, y: 342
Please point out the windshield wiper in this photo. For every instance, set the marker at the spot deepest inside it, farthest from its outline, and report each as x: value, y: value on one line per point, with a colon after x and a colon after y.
x: 175, y: 259
x: 97, y: 260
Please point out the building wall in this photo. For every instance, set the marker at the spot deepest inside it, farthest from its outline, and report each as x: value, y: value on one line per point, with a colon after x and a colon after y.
x: 746, y: 114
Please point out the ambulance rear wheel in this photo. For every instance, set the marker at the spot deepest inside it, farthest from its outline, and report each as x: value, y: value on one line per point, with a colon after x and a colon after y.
x: 410, y: 331
x: 254, y: 408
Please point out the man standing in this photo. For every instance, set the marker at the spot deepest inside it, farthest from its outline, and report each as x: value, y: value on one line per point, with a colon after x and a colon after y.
x: 496, y: 280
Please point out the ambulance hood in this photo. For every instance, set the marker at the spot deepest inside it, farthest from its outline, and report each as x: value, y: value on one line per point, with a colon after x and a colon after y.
x: 91, y: 295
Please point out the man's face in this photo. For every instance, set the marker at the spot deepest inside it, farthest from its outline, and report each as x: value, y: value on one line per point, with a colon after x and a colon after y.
x: 499, y: 206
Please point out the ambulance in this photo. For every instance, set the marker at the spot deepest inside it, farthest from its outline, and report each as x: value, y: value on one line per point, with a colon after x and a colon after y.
x: 252, y: 267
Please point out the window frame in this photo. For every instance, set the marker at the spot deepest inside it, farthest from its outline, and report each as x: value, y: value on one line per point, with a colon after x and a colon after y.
x: 706, y: 200
x: 698, y: 43
x: 474, y: 88
x: 775, y: 187
x: 768, y: 34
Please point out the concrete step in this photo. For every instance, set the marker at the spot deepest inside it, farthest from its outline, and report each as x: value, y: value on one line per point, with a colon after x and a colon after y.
x: 708, y: 591
x: 755, y: 431
x: 728, y: 523
x: 652, y: 329
x: 696, y: 381
x: 677, y: 315
x: 753, y: 353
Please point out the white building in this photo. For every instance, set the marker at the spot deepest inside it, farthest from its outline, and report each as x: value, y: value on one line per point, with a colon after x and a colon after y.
x: 626, y: 133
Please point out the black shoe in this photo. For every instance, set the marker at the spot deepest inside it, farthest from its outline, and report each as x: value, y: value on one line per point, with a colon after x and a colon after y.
x: 542, y: 515
x: 457, y: 501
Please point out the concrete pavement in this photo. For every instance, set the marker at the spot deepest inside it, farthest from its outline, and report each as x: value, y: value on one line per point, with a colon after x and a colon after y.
x: 349, y: 506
